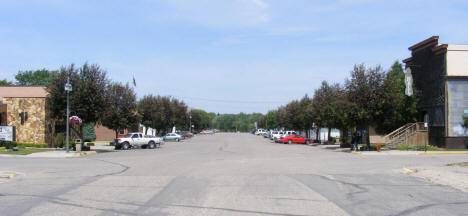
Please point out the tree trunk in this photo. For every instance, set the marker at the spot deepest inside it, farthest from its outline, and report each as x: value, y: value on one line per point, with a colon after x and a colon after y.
x: 368, y: 137
x: 342, y: 136
x: 116, y: 133
x: 317, y: 134
x: 329, y: 134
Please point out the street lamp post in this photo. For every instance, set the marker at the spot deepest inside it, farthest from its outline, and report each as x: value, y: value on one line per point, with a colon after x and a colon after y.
x: 68, y: 88
x: 190, y: 122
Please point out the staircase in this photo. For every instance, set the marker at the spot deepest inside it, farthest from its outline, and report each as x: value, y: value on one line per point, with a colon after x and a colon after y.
x: 409, y: 134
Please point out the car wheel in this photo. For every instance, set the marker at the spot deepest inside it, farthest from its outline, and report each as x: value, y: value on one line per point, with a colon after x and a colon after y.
x: 125, y: 146
x: 290, y: 141
x: 151, y: 145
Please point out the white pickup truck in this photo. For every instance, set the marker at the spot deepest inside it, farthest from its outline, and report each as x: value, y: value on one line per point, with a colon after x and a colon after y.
x: 133, y: 140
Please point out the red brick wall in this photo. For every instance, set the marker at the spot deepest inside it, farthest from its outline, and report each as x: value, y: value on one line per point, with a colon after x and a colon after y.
x: 104, y: 133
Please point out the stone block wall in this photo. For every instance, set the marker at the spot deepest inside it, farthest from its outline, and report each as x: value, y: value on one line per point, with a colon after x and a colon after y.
x: 33, y: 129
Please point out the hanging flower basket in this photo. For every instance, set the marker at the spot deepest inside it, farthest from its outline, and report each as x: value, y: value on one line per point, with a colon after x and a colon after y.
x: 75, y: 120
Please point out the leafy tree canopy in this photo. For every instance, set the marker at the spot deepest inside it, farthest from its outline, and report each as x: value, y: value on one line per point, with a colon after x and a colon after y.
x: 5, y: 82
x: 121, y: 109
x: 37, y: 77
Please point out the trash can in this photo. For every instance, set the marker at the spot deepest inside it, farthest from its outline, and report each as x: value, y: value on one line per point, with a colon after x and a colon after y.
x: 78, y: 144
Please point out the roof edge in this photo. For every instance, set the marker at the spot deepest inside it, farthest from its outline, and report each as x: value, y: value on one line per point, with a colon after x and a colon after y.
x: 424, y: 42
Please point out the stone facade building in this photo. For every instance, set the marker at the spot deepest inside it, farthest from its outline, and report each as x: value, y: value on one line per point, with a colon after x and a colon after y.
x: 23, y: 107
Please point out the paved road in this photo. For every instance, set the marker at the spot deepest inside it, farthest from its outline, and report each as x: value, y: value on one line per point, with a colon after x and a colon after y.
x: 227, y: 174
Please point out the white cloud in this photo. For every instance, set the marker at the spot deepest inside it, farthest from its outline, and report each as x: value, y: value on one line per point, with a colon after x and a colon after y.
x: 260, y: 3
x: 218, y: 14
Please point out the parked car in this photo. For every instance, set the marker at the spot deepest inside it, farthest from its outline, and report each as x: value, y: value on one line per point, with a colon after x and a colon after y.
x: 206, y: 132
x: 260, y: 132
x: 287, y: 133
x: 133, y: 140
x: 276, y: 135
x: 173, y: 137
x: 294, y: 138
x: 185, y: 134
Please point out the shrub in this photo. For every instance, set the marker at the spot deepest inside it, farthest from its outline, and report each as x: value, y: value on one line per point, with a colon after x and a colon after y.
x: 90, y: 144
x: 59, y: 141
x: 417, y: 148
x: 34, y: 145
x: 88, y: 132
x: 2, y: 148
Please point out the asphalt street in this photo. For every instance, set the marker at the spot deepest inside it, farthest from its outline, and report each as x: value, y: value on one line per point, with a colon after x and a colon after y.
x: 227, y: 174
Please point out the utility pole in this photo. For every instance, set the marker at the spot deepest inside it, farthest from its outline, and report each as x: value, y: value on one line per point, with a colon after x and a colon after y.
x: 68, y: 88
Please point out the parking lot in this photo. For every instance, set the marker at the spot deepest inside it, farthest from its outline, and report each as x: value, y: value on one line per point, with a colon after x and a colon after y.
x: 227, y: 174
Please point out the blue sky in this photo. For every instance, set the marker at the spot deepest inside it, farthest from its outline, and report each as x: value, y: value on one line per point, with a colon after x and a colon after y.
x: 220, y: 55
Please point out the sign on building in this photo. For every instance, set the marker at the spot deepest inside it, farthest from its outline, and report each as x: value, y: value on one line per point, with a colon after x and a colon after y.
x: 7, y: 133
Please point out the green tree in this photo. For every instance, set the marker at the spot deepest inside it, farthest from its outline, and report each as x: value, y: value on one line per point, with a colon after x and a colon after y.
x: 121, y: 109
x: 162, y: 113
x: 87, y: 99
x: 270, y: 122
x: 242, y: 121
x: 200, y: 119
x: 395, y: 108
x: 37, y: 77
x: 366, y: 89
x: 465, y: 121
x: 88, y: 132
x: 5, y: 82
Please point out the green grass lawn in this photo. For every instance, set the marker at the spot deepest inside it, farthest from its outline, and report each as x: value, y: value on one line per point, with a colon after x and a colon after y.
x: 24, y: 151
x: 421, y: 148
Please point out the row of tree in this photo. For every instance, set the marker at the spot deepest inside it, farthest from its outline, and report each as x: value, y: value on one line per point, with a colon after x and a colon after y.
x: 235, y: 122
x: 98, y: 100
x: 371, y: 97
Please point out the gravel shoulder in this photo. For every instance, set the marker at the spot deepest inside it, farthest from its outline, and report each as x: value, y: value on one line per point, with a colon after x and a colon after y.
x: 452, y: 176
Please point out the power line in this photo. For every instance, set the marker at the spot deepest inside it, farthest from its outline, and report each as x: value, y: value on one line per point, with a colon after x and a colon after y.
x: 229, y: 101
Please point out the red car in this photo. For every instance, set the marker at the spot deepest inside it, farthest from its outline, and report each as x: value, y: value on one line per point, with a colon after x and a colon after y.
x: 294, y: 138
x: 186, y: 135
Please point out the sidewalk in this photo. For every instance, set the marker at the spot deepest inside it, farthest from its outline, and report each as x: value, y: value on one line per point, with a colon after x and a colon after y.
x: 54, y: 154
x: 398, y: 152
x: 337, y: 148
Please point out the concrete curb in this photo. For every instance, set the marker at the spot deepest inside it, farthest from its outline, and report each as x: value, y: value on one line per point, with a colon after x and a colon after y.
x: 52, y: 154
x: 9, y: 175
x: 356, y: 152
x: 444, y: 153
x: 80, y: 154
x: 7, y: 155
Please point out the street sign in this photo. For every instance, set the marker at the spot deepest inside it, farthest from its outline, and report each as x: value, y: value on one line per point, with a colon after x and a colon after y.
x: 6, y: 133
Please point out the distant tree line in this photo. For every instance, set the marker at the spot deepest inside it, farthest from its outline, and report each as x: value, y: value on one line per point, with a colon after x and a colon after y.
x: 235, y: 122
x: 371, y: 97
